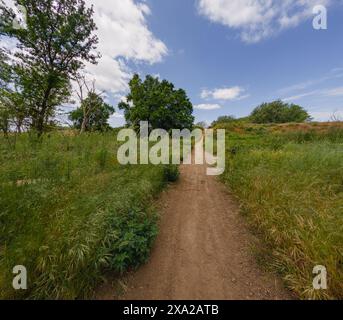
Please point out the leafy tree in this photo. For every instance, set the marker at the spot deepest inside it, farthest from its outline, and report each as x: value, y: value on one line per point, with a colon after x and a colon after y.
x: 98, y: 113
x: 223, y: 119
x: 11, y: 105
x: 279, y: 112
x: 5, y: 70
x: 57, y: 40
x: 157, y: 102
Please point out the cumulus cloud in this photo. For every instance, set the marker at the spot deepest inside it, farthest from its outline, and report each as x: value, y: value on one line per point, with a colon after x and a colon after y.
x: 258, y: 19
x: 233, y: 93
x: 123, y: 35
x: 207, y: 107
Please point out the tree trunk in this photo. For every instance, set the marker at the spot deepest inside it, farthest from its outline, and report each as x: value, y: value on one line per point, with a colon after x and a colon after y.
x: 84, y: 124
x: 42, y: 113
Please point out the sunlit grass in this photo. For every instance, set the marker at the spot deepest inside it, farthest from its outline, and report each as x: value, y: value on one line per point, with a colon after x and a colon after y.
x: 69, y: 212
x: 291, y: 189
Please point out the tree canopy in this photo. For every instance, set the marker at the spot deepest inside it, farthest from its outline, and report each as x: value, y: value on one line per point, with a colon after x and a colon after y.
x: 157, y: 102
x: 52, y: 47
x: 223, y: 119
x: 97, y: 115
x: 279, y: 112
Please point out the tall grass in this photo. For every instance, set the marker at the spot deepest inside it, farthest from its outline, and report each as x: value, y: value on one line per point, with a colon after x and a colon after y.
x: 291, y: 190
x: 69, y: 212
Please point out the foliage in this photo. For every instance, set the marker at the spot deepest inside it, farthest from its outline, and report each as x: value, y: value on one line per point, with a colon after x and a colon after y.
x: 56, y: 41
x: 159, y: 103
x: 279, y: 112
x: 171, y: 173
x: 223, y: 119
x: 97, y: 111
x: 80, y: 213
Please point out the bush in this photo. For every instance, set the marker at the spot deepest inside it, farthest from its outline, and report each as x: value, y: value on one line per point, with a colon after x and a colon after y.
x: 279, y: 112
x: 171, y: 173
x: 134, y: 235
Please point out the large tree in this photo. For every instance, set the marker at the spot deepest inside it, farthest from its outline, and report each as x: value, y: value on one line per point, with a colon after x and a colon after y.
x: 279, y: 112
x: 52, y: 47
x: 157, y: 102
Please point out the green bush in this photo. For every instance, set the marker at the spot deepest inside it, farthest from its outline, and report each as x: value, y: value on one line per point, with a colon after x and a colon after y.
x: 136, y: 233
x: 279, y: 112
x: 171, y: 173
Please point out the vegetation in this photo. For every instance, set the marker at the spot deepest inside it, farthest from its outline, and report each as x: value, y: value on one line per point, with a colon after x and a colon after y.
x: 157, y: 102
x: 80, y: 213
x: 224, y: 119
x: 279, y: 112
x: 52, y: 48
x: 70, y: 211
x: 92, y: 115
x: 275, y: 112
x: 289, y: 180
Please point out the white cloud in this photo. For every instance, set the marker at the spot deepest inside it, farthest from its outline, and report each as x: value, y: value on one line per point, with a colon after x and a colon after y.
x: 233, y: 93
x: 333, y: 92
x: 207, y: 107
x: 336, y: 73
x: 300, y: 96
x: 336, y: 92
x: 258, y: 19
x: 123, y: 35
x: 327, y: 116
x: 117, y: 115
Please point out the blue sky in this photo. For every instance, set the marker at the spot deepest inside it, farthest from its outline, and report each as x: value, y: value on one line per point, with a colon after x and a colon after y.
x: 299, y: 64
x: 229, y: 55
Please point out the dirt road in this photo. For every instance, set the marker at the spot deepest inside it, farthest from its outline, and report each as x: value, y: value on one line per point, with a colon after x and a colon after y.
x: 203, y: 250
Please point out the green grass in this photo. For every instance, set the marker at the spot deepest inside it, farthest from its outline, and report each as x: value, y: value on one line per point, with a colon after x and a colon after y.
x: 291, y: 189
x: 69, y: 213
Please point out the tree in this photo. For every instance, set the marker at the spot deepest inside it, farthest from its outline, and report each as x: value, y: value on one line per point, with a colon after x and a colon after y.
x: 97, y: 113
x: 279, y: 112
x: 157, y: 102
x: 57, y: 40
x: 5, y: 70
x: 223, y: 119
x: 12, y: 107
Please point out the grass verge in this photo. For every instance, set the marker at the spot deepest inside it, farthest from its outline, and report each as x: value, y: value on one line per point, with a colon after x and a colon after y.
x: 69, y: 213
x: 290, y: 186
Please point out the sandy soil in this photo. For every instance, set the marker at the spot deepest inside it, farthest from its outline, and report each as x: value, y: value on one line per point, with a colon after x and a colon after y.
x: 203, y: 250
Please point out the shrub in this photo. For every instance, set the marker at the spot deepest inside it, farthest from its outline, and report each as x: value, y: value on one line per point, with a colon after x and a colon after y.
x: 279, y: 112
x: 171, y: 173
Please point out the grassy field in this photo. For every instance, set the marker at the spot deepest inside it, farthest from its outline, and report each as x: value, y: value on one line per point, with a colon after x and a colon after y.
x: 69, y: 212
x: 289, y: 180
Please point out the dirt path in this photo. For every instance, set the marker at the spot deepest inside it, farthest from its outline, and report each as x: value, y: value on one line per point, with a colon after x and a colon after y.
x: 203, y: 250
